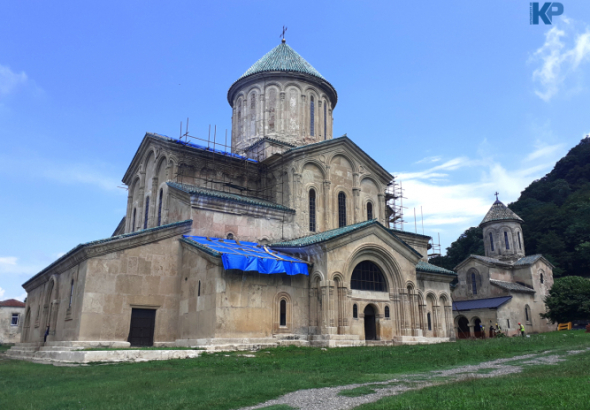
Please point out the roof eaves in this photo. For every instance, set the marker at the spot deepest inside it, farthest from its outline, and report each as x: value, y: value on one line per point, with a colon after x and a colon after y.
x: 201, y: 247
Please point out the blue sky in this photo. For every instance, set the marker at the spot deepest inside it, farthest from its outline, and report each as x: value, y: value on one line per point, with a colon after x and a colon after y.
x: 459, y: 99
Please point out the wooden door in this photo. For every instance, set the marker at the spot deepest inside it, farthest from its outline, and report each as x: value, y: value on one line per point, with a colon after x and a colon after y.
x: 370, y: 328
x: 142, y: 327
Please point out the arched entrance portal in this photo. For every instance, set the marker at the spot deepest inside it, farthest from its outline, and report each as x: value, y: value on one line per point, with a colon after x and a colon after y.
x: 370, y: 328
x: 463, y: 324
x: 477, y: 329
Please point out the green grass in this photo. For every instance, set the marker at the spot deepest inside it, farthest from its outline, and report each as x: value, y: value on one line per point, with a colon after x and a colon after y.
x: 225, y: 381
x: 562, y: 386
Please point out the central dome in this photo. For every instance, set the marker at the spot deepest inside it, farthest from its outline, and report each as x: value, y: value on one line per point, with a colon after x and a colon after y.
x: 281, y: 97
x: 282, y: 58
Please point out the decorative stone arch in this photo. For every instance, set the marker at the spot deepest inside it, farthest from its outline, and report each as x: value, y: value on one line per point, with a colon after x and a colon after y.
x: 313, y: 161
x: 340, y: 301
x: 371, y: 322
x: 273, y: 84
x: 471, y: 274
x: 344, y: 154
x: 150, y: 151
x: 279, y: 314
x: 26, y: 325
x: 50, y: 305
x: 446, y: 319
x: 432, y: 308
x: 254, y: 87
x: 310, y: 89
x: 528, y: 317
x: 334, y: 210
x: 474, y: 322
x: 292, y: 84
x: 315, y: 302
x: 511, y: 233
x: 382, y: 258
x: 161, y: 161
x: 463, y: 327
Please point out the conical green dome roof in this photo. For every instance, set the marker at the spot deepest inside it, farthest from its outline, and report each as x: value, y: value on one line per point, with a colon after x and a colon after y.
x: 282, y: 58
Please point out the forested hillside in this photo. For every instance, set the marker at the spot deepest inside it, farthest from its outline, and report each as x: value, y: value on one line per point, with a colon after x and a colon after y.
x: 556, y: 211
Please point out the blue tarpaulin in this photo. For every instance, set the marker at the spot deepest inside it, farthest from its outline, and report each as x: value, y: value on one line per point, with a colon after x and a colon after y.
x: 249, y: 256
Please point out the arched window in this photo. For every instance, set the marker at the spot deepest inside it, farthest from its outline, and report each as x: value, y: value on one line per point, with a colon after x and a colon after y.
x: 341, y: 209
x: 252, y: 130
x: 492, y: 241
x: 541, y: 277
x: 312, y: 210
x: 519, y: 243
x: 369, y: 211
x: 283, y: 308
x: 147, y: 210
x: 311, y: 116
x: 386, y: 311
x: 429, y: 321
x: 239, y: 118
x: 325, y: 121
x: 199, y: 289
x: 160, y: 207
x: 133, y: 221
x: 506, y: 240
x: 355, y: 311
x: 473, y: 283
x: 230, y: 236
x: 367, y: 276
x: 71, y: 294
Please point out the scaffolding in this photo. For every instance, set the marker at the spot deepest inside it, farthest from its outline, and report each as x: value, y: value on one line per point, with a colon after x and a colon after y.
x: 394, y: 205
x: 211, y: 164
x: 435, y: 250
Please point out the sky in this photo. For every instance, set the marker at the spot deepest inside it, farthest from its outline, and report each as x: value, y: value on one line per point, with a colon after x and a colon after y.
x: 457, y: 99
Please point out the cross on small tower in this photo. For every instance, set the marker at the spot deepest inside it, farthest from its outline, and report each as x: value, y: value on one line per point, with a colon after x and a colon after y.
x: 283, y: 33
x: 496, y: 195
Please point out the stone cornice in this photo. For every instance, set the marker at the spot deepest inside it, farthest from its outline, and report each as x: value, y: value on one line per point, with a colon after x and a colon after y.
x: 98, y: 248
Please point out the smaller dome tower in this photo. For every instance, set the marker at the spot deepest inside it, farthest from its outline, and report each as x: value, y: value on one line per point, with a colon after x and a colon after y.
x: 502, y: 233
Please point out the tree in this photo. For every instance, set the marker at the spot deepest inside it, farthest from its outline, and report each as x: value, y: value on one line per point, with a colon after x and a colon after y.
x: 470, y: 242
x: 568, y: 300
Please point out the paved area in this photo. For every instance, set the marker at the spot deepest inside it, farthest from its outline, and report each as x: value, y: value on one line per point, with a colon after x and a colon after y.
x: 329, y: 398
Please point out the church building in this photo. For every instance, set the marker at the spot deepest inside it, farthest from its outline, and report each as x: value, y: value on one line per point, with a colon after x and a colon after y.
x: 505, y: 286
x: 281, y: 239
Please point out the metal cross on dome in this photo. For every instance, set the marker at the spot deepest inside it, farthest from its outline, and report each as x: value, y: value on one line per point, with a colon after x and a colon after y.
x: 496, y: 195
x: 283, y: 34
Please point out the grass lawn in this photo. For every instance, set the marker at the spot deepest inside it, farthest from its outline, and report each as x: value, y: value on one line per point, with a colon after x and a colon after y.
x: 226, y: 381
x: 562, y: 386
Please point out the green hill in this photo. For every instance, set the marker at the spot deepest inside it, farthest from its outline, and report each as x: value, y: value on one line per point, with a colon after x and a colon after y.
x: 556, y: 211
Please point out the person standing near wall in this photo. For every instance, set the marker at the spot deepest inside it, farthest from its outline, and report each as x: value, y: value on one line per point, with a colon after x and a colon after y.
x: 521, y: 327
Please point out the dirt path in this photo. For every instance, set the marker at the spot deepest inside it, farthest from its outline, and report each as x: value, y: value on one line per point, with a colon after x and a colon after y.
x: 329, y: 398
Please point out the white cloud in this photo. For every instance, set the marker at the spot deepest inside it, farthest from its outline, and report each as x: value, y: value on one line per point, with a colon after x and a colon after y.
x: 558, y: 60
x: 21, y: 297
x: 428, y: 160
x: 1, y: 293
x: 11, y: 265
x: 451, y: 207
x: 10, y: 81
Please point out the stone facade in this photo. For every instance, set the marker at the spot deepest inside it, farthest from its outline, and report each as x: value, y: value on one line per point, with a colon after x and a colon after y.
x: 12, y: 314
x: 505, y: 272
x: 304, y: 194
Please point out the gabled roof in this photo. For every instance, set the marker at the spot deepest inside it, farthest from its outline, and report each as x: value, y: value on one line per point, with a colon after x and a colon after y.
x: 511, y: 286
x: 194, y: 190
x: 500, y: 212
x: 422, y: 266
x: 12, y: 303
x: 342, y: 140
x: 171, y: 226
x: 336, y: 233
x: 282, y: 58
x: 528, y: 260
x: 524, y: 261
x: 489, y: 303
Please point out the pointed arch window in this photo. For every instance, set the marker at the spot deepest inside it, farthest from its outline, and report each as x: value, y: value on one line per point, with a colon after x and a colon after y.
x: 160, y: 206
x: 341, y: 209
x: 147, y: 212
x: 312, y: 226
x: 283, y: 313
x: 506, y: 240
x: 311, y: 116
x: 541, y: 277
x: 367, y: 276
x: 369, y: 211
x: 473, y: 283
x: 492, y: 241
x: 325, y: 122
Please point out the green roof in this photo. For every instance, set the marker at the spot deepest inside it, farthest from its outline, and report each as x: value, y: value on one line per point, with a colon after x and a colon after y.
x: 335, y: 233
x: 422, y: 266
x: 194, y: 190
x: 500, y: 212
x: 282, y: 58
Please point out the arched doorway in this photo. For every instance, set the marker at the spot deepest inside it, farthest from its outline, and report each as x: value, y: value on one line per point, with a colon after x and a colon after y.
x: 463, y: 325
x: 477, y: 329
x: 370, y: 328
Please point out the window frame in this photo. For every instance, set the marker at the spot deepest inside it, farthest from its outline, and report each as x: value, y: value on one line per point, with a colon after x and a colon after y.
x: 369, y: 211
x: 147, y: 212
x: 368, y: 276
x: 506, y: 243
x: 311, y: 116
x: 355, y: 311
x: 492, y: 241
x: 473, y: 283
x: 387, y: 312
x: 17, y: 316
x: 283, y: 313
x: 312, y: 210
x: 341, y: 209
x: 160, y: 206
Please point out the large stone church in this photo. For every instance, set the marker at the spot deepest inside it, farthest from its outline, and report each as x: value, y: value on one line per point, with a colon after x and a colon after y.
x: 281, y: 238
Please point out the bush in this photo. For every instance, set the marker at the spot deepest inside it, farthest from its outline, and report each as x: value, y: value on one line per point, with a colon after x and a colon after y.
x: 588, y: 329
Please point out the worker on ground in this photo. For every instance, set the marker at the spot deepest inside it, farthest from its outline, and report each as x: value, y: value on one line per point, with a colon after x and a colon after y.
x: 521, y: 328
